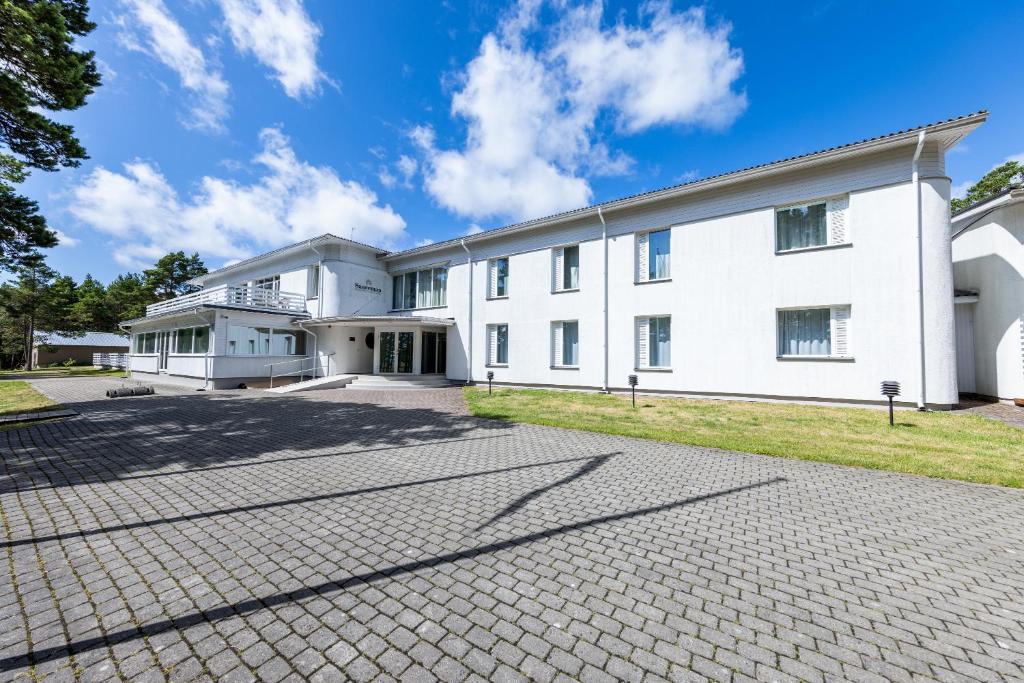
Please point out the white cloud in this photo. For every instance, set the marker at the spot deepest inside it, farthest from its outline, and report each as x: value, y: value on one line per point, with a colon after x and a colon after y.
x: 66, y: 240
x: 290, y: 201
x: 473, y: 229
x: 386, y: 178
x: 959, y: 191
x: 282, y: 37
x: 407, y: 167
x: 534, y: 112
x: 1019, y: 158
x: 148, y: 27
x: 424, y: 242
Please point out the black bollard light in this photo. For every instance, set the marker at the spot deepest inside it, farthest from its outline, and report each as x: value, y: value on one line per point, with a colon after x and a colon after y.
x: 633, y: 381
x: 890, y: 389
x: 490, y: 376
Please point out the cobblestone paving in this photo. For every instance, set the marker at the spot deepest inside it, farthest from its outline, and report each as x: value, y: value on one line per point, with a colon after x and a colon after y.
x: 1004, y: 412
x: 243, y: 536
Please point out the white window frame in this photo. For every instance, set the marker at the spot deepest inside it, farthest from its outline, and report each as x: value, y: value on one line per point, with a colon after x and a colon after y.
x: 492, y: 345
x: 492, y: 277
x: 642, y: 255
x: 837, y: 222
x: 313, y: 282
x: 557, y: 345
x: 840, y: 333
x: 558, y: 268
x: 193, y: 352
x: 641, y: 343
x: 401, y: 277
x: 273, y: 280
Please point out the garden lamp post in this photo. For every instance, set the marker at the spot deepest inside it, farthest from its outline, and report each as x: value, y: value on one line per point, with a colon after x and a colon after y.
x: 633, y: 381
x: 890, y: 389
x: 490, y: 376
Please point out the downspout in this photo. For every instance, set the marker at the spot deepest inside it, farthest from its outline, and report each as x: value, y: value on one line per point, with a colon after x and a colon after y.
x: 469, y: 332
x: 916, y: 180
x: 604, y: 310
x: 206, y: 356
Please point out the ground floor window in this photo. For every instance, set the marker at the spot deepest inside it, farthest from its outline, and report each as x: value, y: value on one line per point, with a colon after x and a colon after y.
x: 822, y: 331
x: 396, y: 352
x: 244, y: 340
x: 192, y: 340
x: 145, y: 342
x: 565, y: 344
x: 654, y: 342
x: 497, y: 344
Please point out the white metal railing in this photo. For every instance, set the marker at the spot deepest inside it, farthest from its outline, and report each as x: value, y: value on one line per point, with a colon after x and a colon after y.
x: 315, y: 367
x: 243, y: 296
x: 110, y: 360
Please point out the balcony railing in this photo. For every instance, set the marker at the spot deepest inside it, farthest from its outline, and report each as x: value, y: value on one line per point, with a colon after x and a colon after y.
x: 236, y: 296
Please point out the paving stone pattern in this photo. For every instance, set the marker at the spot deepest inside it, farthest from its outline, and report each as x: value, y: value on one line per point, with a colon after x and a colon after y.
x: 331, y: 536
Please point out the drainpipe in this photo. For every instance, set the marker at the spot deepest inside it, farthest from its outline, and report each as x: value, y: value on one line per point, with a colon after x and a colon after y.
x: 469, y: 332
x: 206, y: 356
x: 915, y: 179
x: 604, y: 311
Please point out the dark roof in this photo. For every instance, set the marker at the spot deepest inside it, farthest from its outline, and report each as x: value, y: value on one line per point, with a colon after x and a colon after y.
x: 87, y: 339
x: 720, y: 176
x: 987, y: 199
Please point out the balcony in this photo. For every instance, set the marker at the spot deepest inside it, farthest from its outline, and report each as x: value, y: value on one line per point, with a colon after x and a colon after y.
x: 233, y: 296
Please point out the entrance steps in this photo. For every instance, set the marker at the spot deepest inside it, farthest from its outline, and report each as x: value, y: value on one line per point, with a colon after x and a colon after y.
x: 329, y: 382
x: 389, y: 382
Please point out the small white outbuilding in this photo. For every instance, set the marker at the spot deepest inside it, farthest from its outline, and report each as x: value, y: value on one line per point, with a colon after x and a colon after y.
x: 988, y: 276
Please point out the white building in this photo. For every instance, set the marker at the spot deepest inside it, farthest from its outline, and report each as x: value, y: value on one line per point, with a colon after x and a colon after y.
x: 988, y: 271
x: 814, y: 277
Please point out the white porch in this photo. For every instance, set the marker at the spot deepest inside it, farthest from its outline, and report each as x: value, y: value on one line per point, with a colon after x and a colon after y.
x: 390, y: 346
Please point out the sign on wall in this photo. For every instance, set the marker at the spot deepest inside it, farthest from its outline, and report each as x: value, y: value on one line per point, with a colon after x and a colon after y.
x: 368, y: 286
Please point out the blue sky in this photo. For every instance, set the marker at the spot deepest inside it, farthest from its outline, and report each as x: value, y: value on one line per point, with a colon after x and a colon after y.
x: 230, y: 127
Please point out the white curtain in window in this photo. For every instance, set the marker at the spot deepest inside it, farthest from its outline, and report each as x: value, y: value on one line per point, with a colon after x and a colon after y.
x: 805, y: 332
x: 423, y: 287
x: 571, y: 268
x: 439, y: 296
x: 660, y: 343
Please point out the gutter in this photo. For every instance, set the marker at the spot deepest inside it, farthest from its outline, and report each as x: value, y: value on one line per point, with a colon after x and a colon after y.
x: 604, y: 310
x: 916, y: 181
x: 469, y: 333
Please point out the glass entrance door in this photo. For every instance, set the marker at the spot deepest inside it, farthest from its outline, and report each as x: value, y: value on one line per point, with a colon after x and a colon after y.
x: 396, y: 352
x: 434, y: 353
x: 163, y: 340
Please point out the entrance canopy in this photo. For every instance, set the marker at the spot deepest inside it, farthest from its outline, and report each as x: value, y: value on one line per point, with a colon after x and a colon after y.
x: 379, y: 320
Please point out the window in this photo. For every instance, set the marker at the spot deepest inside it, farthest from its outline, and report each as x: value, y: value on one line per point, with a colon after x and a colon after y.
x: 654, y: 343
x: 313, y: 282
x: 421, y: 289
x: 498, y: 278
x: 497, y: 344
x: 288, y: 343
x: 565, y: 344
x: 184, y: 341
x: 272, y: 283
x: 654, y: 252
x: 202, y: 340
x: 248, y: 341
x: 566, y: 271
x: 821, y: 332
x: 149, y: 343
x: 805, y: 226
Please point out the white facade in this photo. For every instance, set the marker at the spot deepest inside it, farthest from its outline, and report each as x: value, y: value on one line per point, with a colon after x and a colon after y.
x: 988, y: 268
x: 798, y: 279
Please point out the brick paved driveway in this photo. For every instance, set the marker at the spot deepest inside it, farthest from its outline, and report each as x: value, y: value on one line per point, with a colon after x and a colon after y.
x: 240, y: 535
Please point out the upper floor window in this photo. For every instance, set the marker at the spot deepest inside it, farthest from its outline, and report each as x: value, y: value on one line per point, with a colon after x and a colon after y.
x: 805, y: 226
x: 427, y: 288
x: 272, y: 283
x: 498, y: 278
x: 566, y: 268
x: 654, y: 251
x: 822, y: 332
x: 313, y: 283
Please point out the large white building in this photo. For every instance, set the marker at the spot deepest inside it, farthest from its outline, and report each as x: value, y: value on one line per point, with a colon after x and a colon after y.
x: 814, y: 277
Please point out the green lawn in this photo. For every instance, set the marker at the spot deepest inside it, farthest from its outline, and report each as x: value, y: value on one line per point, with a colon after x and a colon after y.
x: 946, y: 445
x: 17, y: 396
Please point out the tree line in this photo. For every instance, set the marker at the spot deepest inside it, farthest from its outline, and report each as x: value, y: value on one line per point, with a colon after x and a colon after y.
x: 39, y: 299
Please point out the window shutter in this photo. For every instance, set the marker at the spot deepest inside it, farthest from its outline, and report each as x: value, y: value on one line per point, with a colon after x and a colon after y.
x: 557, y: 269
x: 840, y: 330
x: 642, y: 337
x: 556, y: 344
x: 492, y: 344
x: 642, y: 270
x: 837, y: 209
x: 492, y: 279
